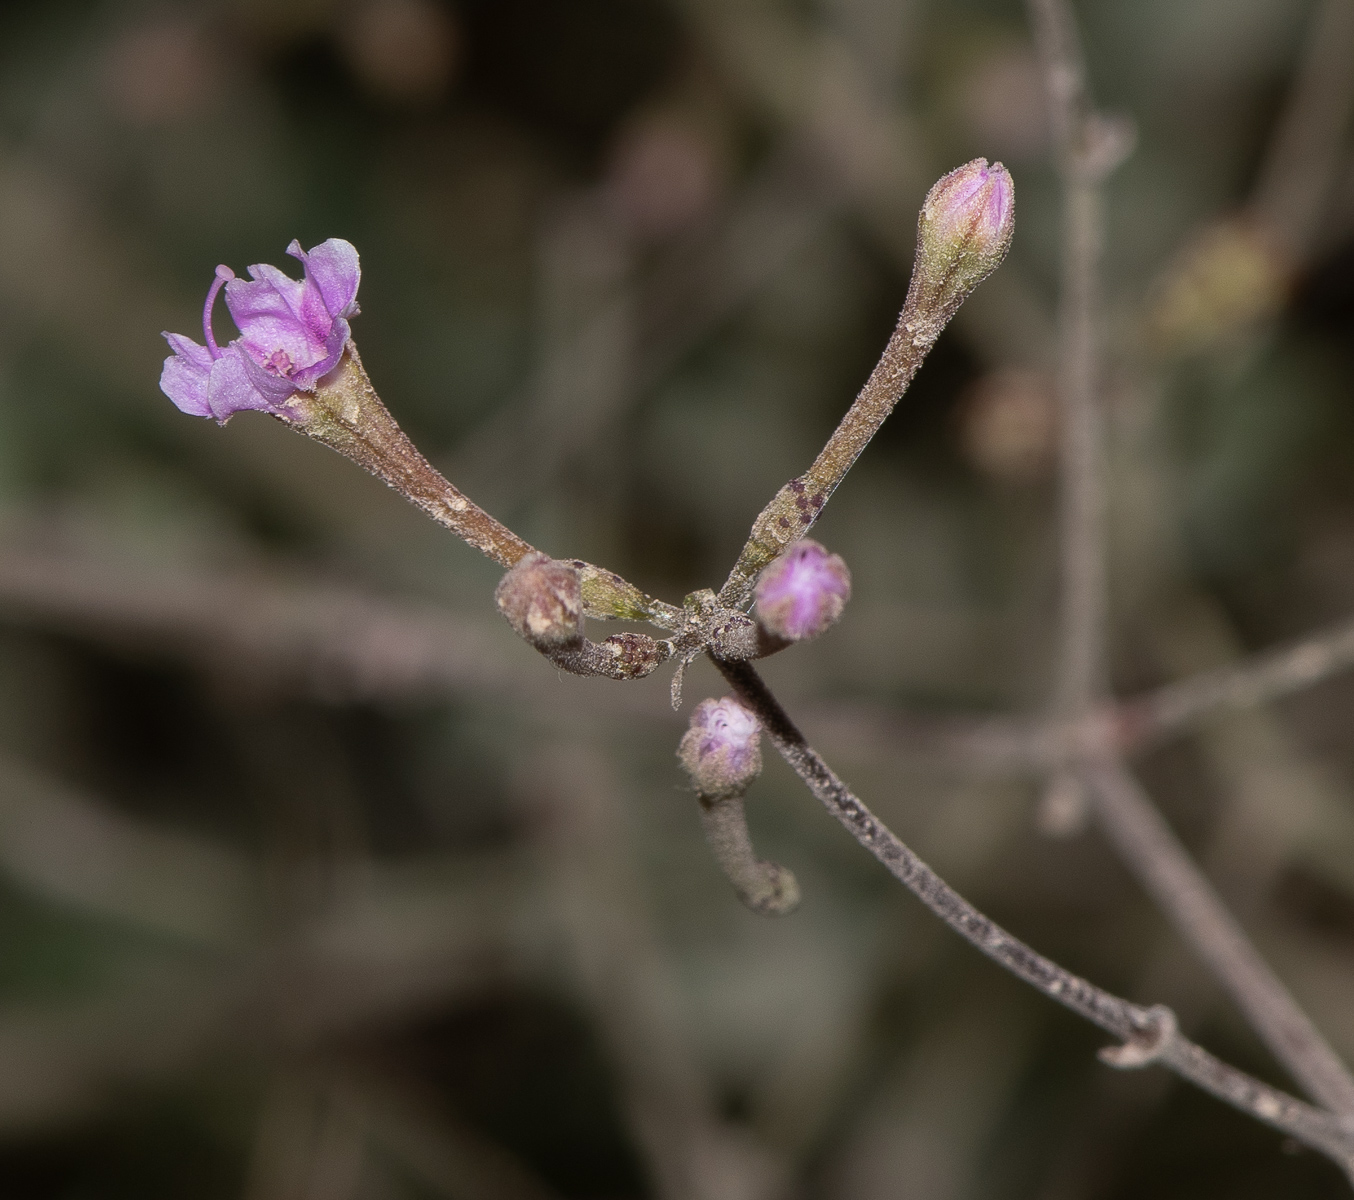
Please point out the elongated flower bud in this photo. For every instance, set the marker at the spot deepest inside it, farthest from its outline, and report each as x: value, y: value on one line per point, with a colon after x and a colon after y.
x: 963, y: 234
x: 803, y: 592
x: 542, y: 600
x: 722, y: 750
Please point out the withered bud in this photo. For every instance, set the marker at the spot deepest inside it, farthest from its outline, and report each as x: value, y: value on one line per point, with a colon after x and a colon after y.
x: 802, y: 593
x: 542, y: 600
x: 722, y: 750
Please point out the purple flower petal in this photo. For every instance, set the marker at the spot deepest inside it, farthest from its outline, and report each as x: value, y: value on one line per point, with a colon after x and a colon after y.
x: 185, y: 375
x: 238, y: 384
x: 308, y: 377
x: 267, y: 309
x: 292, y: 333
x: 802, y: 592
x: 333, y: 267
x: 273, y: 388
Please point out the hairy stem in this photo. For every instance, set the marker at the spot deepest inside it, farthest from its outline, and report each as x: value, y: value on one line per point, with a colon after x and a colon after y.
x: 1151, y: 1036
x: 347, y: 415
x: 795, y: 508
x: 765, y: 887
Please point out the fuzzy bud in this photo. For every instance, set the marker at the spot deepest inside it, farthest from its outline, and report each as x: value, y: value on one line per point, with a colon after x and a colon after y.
x: 542, y: 600
x: 802, y: 593
x: 722, y: 751
x: 963, y: 234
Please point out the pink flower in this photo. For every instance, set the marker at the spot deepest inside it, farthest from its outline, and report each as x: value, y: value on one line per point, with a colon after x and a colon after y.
x: 965, y: 229
x: 802, y: 593
x: 972, y: 206
x: 722, y: 750
x: 292, y: 334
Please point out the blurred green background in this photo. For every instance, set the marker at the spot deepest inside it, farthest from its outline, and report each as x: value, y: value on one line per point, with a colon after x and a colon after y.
x: 316, y: 883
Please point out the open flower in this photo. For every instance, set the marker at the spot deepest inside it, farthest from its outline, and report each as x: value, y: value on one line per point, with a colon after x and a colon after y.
x: 292, y: 334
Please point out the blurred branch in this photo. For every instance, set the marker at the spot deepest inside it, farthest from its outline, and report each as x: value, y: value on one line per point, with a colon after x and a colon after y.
x: 1277, y: 803
x: 1156, y: 857
x: 442, y: 1151
x: 1089, y: 148
x: 1081, y: 668
x: 1304, y: 151
x: 696, y: 286
x: 1252, y: 682
x: 71, y: 849
x: 345, y: 643
x: 627, y: 981
x: 311, y: 1141
x: 1148, y: 1035
x: 874, y: 150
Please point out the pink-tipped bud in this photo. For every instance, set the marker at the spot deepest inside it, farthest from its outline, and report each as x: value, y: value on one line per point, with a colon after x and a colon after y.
x: 802, y: 593
x: 722, y: 750
x: 963, y: 234
x: 543, y: 601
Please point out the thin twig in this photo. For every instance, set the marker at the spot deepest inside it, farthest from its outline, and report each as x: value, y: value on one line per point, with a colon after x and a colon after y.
x: 347, y: 415
x: 1250, y: 683
x: 1147, y: 1033
x: 795, y: 508
x: 1139, y: 835
x: 1156, y: 857
x: 1080, y: 675
x: 689, y: 292
x: 1304, y: 152
x: 624, y: 975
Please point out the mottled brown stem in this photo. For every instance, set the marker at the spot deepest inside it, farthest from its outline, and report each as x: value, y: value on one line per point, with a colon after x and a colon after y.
x: 1149, y: 1033
x: 796, y: 506
x: 959, y: 244
x: 347, y: 415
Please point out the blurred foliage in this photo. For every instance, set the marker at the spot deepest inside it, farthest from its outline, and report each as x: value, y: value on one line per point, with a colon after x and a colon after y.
x: 273, y: 930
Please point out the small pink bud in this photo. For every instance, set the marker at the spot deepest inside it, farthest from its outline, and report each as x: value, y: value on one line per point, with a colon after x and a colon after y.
x: 543, y: 601
x: 722, y: 750
x: 802, y: 593
x: 963, y: 234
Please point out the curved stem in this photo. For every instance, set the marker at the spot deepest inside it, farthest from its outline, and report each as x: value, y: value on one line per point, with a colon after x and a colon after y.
x: 1129, y: 1022
x: 765, y: 887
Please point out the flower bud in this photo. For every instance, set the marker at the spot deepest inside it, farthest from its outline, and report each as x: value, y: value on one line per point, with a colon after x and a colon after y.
x: 962, y: 236
x: 543, y: 601
x: 802, y: 593
x: 722, y: 750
